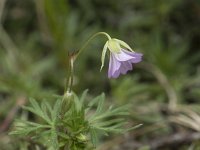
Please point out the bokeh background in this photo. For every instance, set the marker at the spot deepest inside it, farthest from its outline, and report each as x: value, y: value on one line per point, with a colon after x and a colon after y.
x: 163, y: 91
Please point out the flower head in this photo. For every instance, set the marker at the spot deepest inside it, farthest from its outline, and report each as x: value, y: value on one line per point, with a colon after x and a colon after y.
x: 121, y: 57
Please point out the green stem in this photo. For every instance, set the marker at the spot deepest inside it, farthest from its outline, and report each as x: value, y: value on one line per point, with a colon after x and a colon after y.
x: 68, y: 89
x: 70, y: 78
x: 74, y: 57
x: 88, y: 41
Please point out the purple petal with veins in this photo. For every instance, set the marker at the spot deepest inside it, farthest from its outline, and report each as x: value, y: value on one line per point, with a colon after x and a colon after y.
x: 121, y: 63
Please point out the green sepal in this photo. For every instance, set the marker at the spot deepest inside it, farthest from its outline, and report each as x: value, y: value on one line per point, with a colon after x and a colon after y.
x: 123, y: 44
x: 103, y: 55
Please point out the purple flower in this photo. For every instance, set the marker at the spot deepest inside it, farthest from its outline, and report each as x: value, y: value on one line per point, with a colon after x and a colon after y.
x: 121, y: 57
x: 121, y: 63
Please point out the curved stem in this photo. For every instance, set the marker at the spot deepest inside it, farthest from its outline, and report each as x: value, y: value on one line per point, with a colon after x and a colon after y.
x: 88, y: 41
x: 73, y: 57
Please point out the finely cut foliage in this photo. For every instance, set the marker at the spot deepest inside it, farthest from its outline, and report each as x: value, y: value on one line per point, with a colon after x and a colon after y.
x: 74, y: 128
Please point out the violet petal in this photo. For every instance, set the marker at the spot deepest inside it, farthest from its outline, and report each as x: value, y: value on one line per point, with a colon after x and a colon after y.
x: 134, y: 54
x: 116, y: 74
x: 125, y: 66
x: 122, y: 56
x: 114, y: 66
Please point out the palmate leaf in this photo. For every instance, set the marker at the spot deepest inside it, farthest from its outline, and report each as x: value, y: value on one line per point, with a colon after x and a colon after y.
x: 37, y: 110
x: 24, y: 127
x: 109, y: 119
x: 45, y: 111
x: 78, y: 121
x: 95, y: 102
x: 46, y: 131
x: 104, y: 121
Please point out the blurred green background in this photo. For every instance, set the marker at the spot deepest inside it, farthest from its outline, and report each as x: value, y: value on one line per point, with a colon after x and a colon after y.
x: 163, y: 91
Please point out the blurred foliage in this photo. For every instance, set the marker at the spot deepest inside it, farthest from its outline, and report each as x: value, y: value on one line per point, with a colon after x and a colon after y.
x: 36, y: 37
